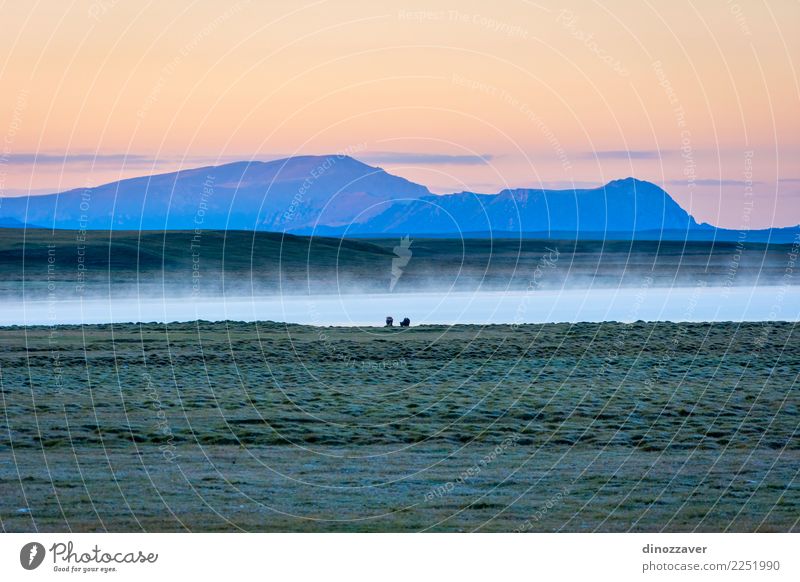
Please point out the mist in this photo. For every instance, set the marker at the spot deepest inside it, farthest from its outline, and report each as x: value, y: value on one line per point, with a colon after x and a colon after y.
x: 166, y: 277
x: 624, y: 304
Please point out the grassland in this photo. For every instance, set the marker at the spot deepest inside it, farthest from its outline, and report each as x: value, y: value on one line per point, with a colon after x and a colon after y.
x: 267, y: 427
x: 73, y: 263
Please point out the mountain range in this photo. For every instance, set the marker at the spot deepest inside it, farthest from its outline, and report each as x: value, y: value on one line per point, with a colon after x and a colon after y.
x: 338, y: 195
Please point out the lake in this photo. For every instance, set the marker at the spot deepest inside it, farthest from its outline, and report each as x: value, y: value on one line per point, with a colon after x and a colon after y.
x: 626, y: 304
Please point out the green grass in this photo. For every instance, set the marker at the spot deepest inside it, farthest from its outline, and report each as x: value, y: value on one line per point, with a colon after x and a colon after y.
x: 238, y: 262
x: 267, y: 427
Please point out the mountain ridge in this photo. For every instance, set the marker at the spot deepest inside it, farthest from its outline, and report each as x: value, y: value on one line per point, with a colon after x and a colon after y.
x: 338, y: 195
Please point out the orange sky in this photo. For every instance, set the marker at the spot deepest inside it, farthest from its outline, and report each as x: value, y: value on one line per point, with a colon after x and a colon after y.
x: 702, y: 98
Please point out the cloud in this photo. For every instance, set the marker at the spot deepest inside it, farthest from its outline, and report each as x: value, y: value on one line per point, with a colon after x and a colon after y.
x: 119, y: 159
x: 28, y: 191
x: 49, y: 158
x: 425, y: 159
x: 713, y: 182
x: 625, y: 154
x: 568, y: 184
x: 141, y: 160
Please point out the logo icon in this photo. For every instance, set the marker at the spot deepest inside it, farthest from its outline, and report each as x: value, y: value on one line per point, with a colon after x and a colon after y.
x: 31, y: 555
x: 402, y: 254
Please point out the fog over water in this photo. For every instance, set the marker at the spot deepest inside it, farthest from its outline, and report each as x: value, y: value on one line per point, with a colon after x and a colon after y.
x: 244, y: 276
x: 648, y: 303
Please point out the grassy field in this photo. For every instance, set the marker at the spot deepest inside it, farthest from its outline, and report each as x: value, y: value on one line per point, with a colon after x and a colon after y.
x: 38, y: 262
x: 268, y: 427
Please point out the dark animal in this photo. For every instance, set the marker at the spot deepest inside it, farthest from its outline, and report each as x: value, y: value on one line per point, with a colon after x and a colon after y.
x: 389, y: 321
x: 405, y: 323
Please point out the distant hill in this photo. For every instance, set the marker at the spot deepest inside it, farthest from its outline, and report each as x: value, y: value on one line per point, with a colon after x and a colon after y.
x: 340, y: 196
x: 283, y: 195
x: 9, y: 222
x: 38, y: 261
x: 43, y: 263
x: 628, y: 206
x: 763, y: 236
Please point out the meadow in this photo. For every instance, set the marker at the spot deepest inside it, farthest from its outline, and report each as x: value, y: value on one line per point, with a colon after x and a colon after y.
x: 270, y: 427
x: 83, y: 264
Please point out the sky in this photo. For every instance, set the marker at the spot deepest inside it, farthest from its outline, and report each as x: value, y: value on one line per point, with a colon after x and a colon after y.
x: 701, y: 98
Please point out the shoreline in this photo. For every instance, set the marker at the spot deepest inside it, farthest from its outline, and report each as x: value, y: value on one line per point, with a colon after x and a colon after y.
x: 394, y: 329
x: 589, y: 305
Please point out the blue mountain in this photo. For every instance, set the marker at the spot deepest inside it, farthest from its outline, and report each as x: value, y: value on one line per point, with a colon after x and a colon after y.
x: 621, y: 206
x: 338, y: 195
x: 281, y: 195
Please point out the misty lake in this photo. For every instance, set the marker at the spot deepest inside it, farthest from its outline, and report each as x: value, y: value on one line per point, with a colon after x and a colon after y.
x: 699, y: 303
